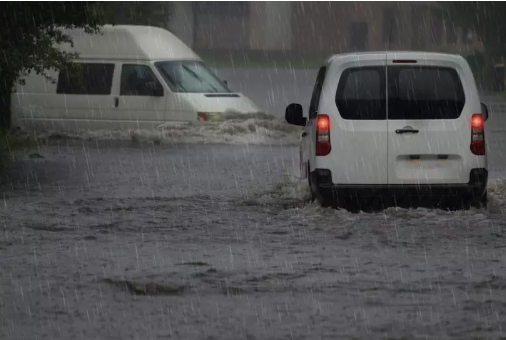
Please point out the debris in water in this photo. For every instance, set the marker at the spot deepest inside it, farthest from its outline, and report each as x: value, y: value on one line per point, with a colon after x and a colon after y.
x: 150, y: 288
x: 194, y: 263
x: 344, y: 236
x: 134, y: 138
x: 36, y: 155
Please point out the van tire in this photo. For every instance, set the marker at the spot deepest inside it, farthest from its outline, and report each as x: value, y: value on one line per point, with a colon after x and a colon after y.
x: 480, y: 202
x: 312, y: 194
x: 327, y: 202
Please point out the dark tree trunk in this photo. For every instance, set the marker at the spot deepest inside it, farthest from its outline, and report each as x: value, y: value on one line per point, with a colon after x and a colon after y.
x: 5, y: 104
x: 5, y: 111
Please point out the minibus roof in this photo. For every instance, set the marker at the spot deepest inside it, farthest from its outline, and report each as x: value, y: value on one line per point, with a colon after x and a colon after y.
x: 128, y: 42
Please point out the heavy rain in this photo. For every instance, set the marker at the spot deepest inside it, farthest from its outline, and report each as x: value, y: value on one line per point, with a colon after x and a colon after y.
x: 152, y: 185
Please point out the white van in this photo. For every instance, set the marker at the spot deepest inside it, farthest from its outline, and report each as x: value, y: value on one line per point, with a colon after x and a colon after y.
x: 131, y: 77
x: 394, y: 125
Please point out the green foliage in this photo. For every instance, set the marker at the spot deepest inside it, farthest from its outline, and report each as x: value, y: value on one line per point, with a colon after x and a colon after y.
x: 29, y: 32
x: 10, y: 142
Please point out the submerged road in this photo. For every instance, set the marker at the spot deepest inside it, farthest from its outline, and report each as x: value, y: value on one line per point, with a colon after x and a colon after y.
x: 123, y: 240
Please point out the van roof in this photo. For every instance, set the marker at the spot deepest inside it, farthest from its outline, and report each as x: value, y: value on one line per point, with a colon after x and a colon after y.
x: 398, y: 55
x: 129, y: 42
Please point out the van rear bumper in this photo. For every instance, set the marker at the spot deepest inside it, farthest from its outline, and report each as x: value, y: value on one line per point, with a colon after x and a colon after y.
x: 321, y: 183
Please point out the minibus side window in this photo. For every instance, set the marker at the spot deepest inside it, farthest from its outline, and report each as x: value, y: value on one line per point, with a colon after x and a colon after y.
x: 135, y: 80
x: 86, y: 79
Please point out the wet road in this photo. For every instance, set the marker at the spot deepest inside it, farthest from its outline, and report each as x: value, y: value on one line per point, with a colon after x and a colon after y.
x: 121, y: 240
x: 285, y: 87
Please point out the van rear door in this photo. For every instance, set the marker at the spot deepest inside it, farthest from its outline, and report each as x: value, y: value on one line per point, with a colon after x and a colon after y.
x: 358, y: 125
x: 428, y: 129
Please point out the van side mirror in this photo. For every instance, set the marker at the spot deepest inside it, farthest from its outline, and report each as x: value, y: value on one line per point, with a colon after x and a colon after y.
x: 155, y: 88
x: 484, y: 111
x: 294, y: 115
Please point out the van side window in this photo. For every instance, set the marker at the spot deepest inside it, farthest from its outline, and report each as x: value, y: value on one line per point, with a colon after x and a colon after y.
x: 361, y: 93
x: 87, y: 79
x: 315, y: 97
x: 136, y: 79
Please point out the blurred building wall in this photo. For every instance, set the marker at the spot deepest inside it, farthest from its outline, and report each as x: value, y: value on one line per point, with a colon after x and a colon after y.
x: 270, y: 25
x: 182, y: 21
x: 318, y: 28
x: 336, y: 27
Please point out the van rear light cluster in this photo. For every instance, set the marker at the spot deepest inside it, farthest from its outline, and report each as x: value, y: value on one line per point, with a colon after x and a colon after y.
x: 322, y: 135
x: 202, y: 116
x: 477, y: 135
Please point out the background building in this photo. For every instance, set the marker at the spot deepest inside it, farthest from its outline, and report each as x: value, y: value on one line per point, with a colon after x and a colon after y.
x: 318, y: 28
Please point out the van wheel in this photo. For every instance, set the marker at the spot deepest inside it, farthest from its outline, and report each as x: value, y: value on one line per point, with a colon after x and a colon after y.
x: 327, y: 202
x: 480, y: 203
x: 324, y: 202
x: 312, y: 197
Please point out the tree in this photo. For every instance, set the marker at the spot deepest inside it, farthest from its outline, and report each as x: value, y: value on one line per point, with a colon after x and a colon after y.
x: 30, y: 30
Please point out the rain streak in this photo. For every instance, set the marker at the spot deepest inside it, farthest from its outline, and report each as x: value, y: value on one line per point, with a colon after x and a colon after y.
x: 252, y: 170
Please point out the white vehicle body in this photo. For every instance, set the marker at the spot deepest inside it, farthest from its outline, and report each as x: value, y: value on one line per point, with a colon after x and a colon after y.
x: 400, y: 122
x: 131, y: 77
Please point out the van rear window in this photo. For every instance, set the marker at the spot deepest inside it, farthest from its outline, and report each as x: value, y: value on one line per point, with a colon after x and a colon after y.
x: 361, y: 94
x: 424, y: 93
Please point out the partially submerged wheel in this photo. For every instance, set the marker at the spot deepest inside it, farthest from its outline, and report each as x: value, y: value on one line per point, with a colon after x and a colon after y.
x: 326, y: 202
x: 311, y: 191
x: 480, y: 202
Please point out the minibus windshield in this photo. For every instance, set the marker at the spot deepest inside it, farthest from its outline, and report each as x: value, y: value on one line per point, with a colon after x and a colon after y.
x: 190, y: 76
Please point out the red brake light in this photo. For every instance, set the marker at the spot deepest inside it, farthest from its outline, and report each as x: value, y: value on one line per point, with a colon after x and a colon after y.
x: 323, y: 146
x: 477, y: 121
x: 478, y: 148
x: 477, y: 135
x: 323, y: 122
x: 202, y: 116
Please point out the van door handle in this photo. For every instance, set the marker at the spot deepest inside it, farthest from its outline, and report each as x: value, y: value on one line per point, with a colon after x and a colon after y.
x: 304, y: 134
x: 406, y: 130
x: 116, y: 102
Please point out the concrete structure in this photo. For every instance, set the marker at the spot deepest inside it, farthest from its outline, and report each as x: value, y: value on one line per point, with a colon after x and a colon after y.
x: 182, y: 21
x: 319, y: 27
x: 233, y: 25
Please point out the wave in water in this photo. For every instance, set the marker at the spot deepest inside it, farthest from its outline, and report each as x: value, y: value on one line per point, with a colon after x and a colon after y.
x: 259, y: 131
x: 290, y: 192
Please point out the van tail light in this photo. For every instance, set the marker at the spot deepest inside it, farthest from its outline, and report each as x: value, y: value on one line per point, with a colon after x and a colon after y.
x: 477, y: 135
x: 322, y: 135
x: 202, y: 116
